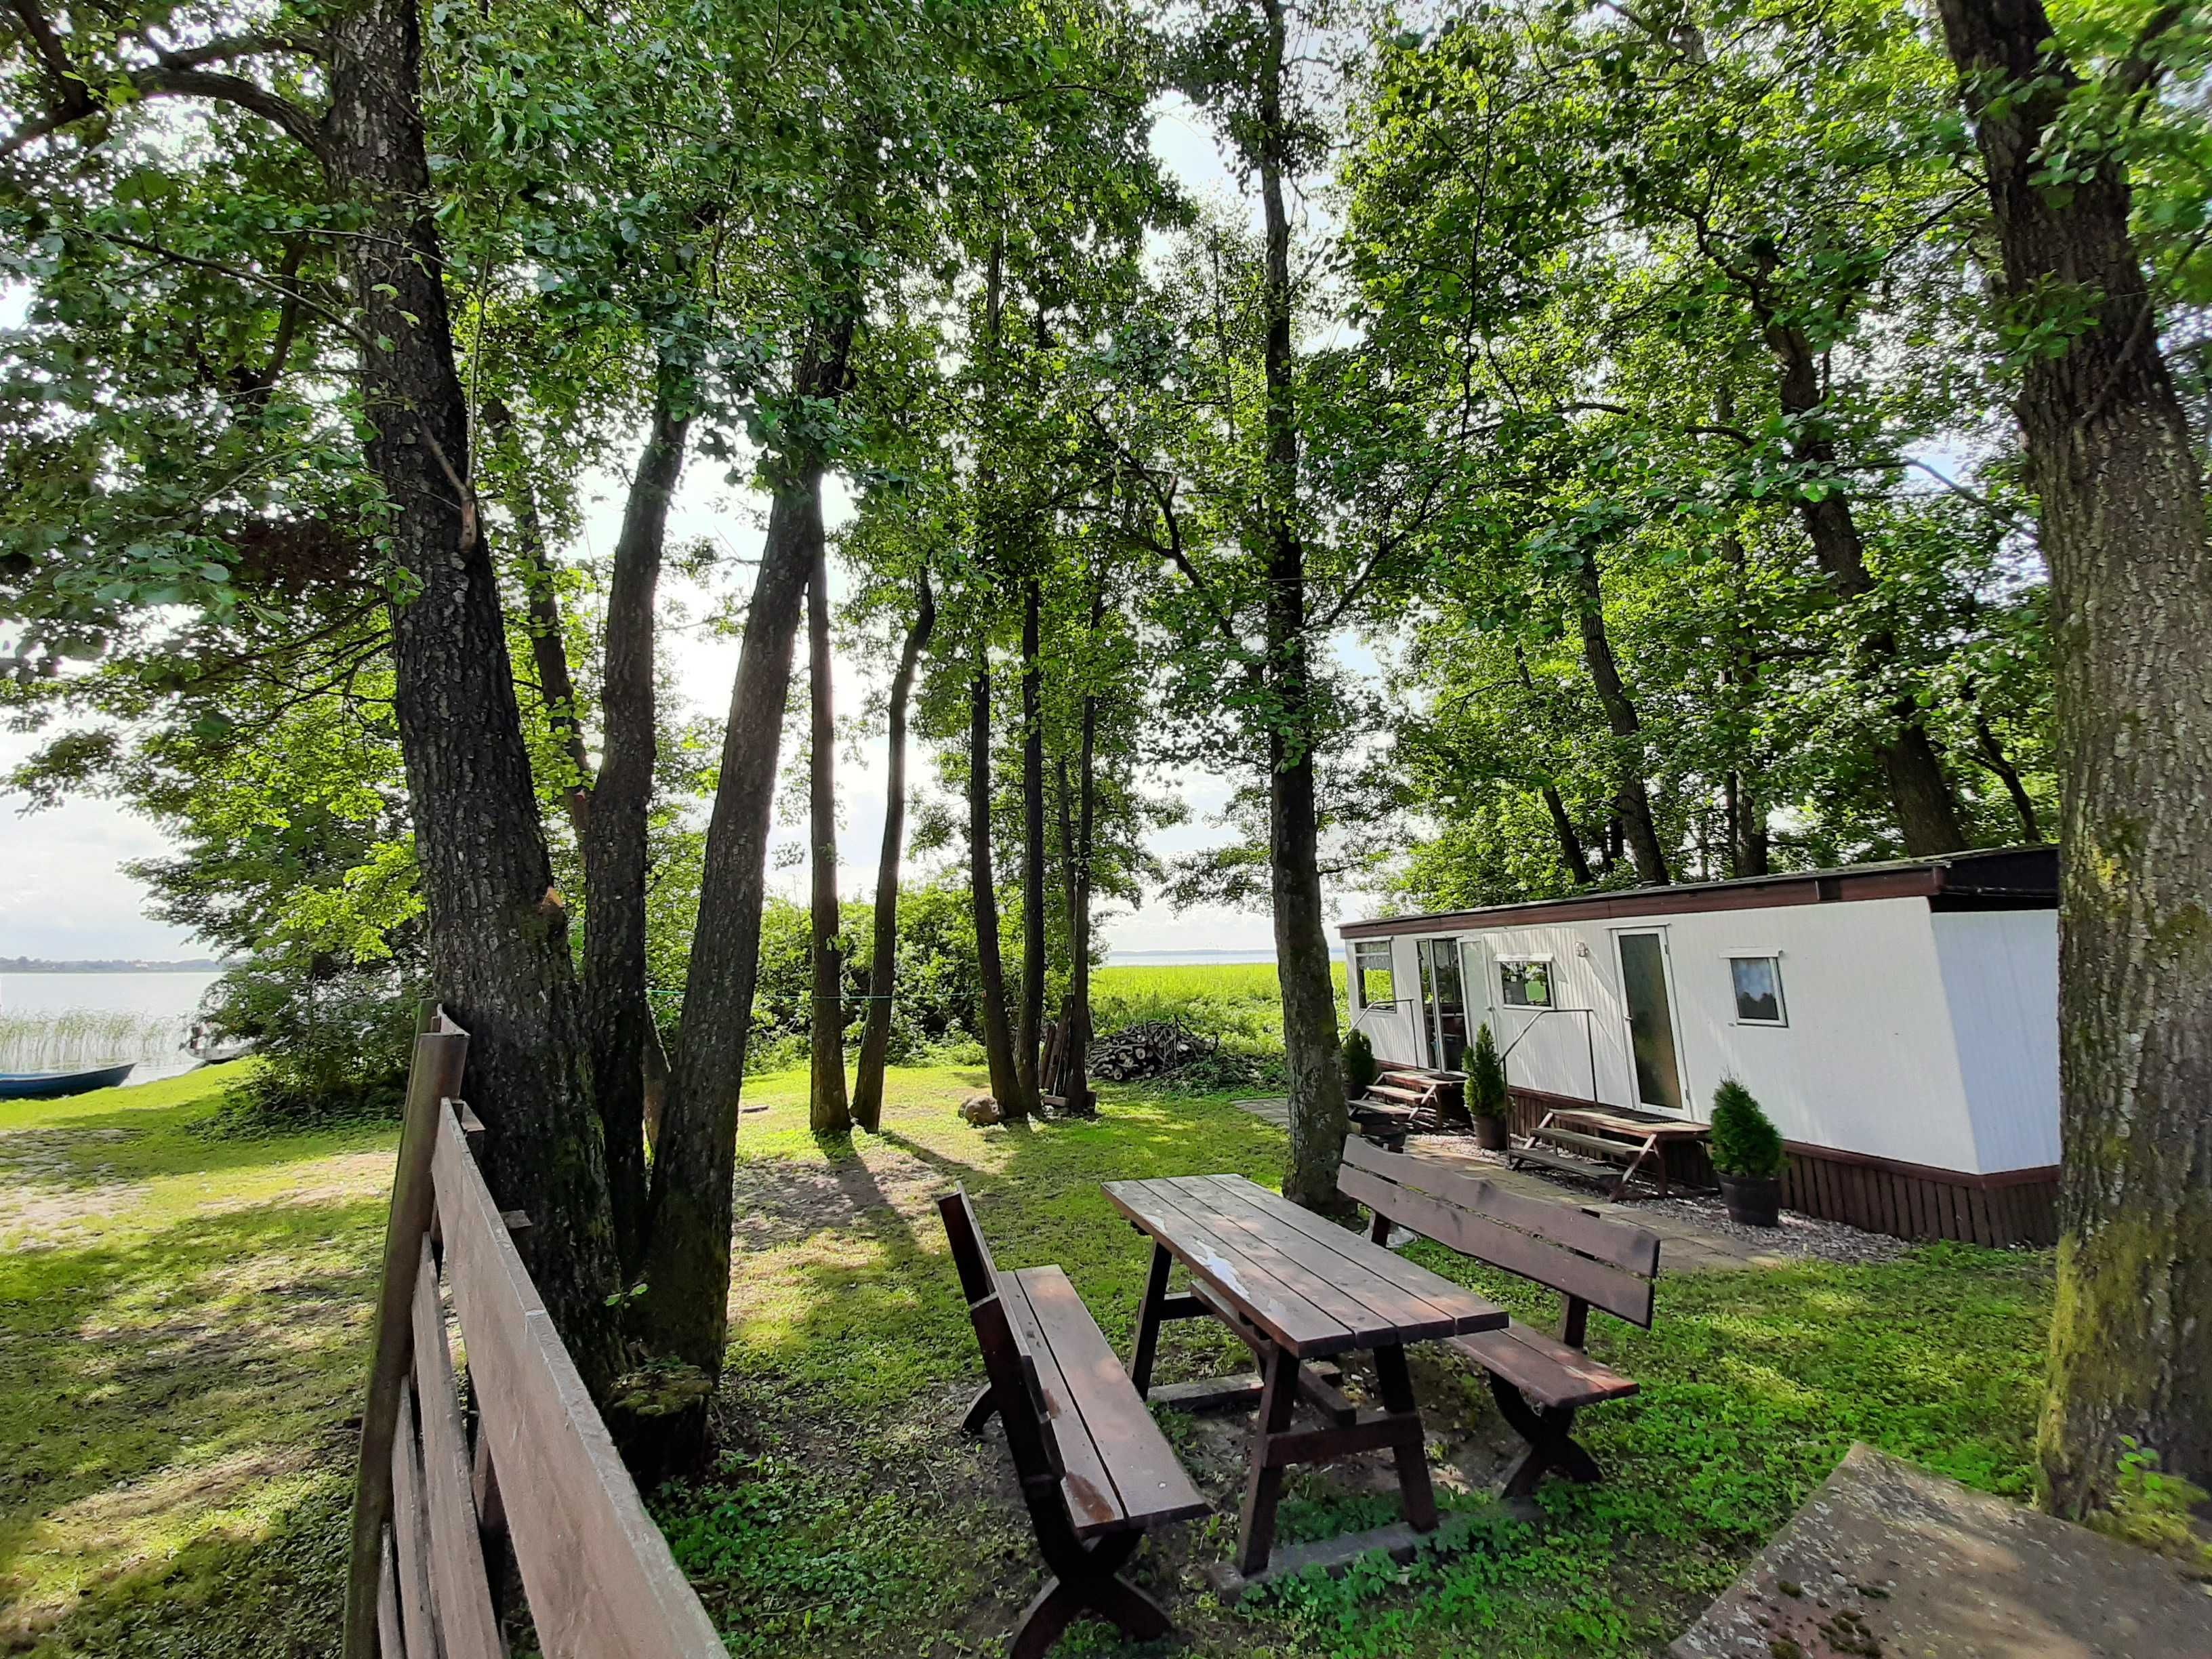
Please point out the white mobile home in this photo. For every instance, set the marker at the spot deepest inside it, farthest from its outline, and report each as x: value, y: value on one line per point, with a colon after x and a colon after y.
x: 1898, y: 1021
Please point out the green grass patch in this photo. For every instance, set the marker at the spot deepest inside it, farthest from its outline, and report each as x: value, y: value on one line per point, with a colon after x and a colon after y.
x: 183, y: 1325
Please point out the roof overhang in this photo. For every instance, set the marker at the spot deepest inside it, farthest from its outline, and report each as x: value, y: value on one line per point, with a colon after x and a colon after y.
x: 2010, y: 879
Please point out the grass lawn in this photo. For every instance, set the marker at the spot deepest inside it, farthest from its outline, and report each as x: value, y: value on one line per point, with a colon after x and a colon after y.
x: 179, y: 1342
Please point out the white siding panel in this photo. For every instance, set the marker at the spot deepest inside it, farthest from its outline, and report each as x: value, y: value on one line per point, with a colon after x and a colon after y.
x: 2001, y: 978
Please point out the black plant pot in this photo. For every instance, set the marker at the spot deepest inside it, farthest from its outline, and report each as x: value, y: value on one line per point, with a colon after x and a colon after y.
x: 1490, y: 1134
x: 1754, y: 1201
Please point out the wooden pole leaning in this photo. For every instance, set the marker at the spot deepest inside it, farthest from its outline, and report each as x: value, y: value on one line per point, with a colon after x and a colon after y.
x: 440, y: 1050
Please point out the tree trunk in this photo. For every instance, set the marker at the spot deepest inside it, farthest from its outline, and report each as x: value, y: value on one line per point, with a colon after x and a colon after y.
x: 827, y: 1112
x: 686, y: 1307
x: 1632, y: 796
x: 1563, y: 827
x: 983, y: 897
x: 1318, y: 1118
x: 1927, y: 810
x: 1075, y: 1048
x: 883, y: 967
x: 1993, y: 756
x: 620, y: 800
x: 548, y: 639
x: 499, y: 948
x: 1029, y: 1017
x: 2124, y: 528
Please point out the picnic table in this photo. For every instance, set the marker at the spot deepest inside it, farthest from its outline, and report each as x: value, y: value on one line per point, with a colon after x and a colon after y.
x: 1296, y: 1289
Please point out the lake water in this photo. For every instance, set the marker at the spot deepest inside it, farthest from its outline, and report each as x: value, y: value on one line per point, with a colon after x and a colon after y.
x: 166, y: 1001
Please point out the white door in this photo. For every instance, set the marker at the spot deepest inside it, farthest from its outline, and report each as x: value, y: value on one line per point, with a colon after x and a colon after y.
x: 1647, y: 996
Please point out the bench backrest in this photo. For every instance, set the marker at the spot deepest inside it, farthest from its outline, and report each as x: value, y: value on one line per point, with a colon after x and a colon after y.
x: 1585, y: 1257
x: 1007, y: 1361
x: 538, y: 1475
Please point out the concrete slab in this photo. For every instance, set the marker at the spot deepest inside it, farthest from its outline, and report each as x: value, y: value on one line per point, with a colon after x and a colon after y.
x: 1886, y: 1561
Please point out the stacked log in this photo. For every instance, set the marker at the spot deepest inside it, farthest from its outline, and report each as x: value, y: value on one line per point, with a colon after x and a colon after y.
x: 1151, y: 1049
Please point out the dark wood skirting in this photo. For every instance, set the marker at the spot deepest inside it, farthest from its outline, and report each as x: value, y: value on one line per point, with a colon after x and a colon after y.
x: 1881, y: 1195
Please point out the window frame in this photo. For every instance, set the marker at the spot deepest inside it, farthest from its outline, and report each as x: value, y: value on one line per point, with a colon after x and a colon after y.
x: 1773, y: 959
x: 1389, y: 950
x: 1503, y: 962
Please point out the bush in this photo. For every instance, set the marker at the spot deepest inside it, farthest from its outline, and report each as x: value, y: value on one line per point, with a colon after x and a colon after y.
x: 1745, y: 1143
x: 1486, y: 1092
x: 1360, y: 1070
x: 335, y: 1042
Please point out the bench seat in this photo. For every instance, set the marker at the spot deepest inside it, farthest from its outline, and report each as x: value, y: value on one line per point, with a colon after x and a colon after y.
x: 1548, y: 1371
x: 1119, y: 1473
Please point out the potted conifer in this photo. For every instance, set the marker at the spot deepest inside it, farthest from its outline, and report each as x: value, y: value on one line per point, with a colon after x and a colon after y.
x: 1488, y: 1099
x: 1748, y: 1157
x: 1360, y: 1069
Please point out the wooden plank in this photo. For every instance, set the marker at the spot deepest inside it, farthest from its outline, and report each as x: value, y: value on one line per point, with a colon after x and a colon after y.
x: 1548, y: 1371
x: 1977, y: 1212
x: 410, y: 1534
x: 390, y: 1643
x: 458, y: 1578
x: 1144, y: 1467
x: 1092, y: 1502
x: 600, y: 1580
x: 1255, y: 1245
x: 1621, y: 1244
x: 1473, y: 1310
x: 433, y: 1076
x: 1598, y: 1283
x: 1287, y: 1318
x: 1388, y: 1309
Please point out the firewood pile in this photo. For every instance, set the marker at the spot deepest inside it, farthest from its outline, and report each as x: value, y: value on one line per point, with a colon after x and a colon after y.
x: 1154, y: 1047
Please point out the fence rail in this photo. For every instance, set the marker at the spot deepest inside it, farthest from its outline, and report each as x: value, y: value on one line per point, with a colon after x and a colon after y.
x: 438, y: 1498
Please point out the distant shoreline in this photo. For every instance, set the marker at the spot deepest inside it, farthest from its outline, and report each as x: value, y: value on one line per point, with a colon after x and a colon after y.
x: 29, y: 965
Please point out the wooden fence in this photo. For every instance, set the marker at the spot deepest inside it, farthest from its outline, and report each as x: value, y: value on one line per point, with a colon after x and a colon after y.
x: 438, y: 1496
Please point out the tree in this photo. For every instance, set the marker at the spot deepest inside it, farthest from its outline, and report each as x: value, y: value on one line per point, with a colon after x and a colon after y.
x: 827, y: 1112
x: 2120, y: 489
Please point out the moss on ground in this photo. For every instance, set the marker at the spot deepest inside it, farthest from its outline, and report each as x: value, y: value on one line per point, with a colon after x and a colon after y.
x: 180, y: 1341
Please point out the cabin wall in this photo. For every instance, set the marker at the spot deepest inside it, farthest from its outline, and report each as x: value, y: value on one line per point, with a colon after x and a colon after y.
x: 1866, y: 1063
x: 2000, y: 971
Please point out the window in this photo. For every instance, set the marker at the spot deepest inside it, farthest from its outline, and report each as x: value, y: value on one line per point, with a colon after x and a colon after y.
x: 1758, y: 990
x: 1525, y: 984
x: 1370, y: 973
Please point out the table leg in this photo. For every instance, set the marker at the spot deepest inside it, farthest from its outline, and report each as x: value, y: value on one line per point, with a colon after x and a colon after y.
x: 1412, y: 1456
x: 1148, y: 1319
x: 1263, y: 1489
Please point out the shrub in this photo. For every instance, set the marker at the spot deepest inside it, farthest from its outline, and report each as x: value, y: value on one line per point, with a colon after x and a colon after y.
x: 335, y: 1039
x: 1745, y: 1142
x: 1486, y: 1092
x: 1360, y: 1070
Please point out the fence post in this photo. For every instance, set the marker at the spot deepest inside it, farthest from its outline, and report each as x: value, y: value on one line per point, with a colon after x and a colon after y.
x: 441, y: 1049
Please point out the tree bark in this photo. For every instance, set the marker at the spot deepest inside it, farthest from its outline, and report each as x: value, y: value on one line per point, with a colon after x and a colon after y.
x: 1927, y: 810
x: 1030, y: 1017
x: 1632, y: 796
x: 882, y: 966
x: 983, y: 897
x: 827, y: 1110
x: 549, y: 641
x: 2124, y: 528
x: 1563, y: 827
x: 498, y: 929
x: 1318, y: 1115
x: 686, y: 1308
x: 620, y: 801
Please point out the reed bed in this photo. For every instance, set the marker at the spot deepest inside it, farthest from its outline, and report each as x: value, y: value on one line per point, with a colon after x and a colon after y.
x: 51, y: 1041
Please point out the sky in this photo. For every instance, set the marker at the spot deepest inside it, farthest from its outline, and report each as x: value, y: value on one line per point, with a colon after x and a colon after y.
x: 63, y: 894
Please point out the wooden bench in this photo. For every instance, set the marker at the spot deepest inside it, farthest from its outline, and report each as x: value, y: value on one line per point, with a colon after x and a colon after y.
x: 1096, y: 1471
x: 1585, y: 1142
x: 1539, y: 1381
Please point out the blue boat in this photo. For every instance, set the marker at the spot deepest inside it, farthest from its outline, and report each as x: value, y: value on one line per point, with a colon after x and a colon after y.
x: 56, y: 1085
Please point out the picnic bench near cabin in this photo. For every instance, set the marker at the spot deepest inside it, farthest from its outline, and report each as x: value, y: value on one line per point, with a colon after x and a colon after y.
x: 1539, y: 1381
x: 1096, y: 1472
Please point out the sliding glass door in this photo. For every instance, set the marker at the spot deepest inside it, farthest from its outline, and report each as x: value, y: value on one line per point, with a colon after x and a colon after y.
x: 1444, y: 1003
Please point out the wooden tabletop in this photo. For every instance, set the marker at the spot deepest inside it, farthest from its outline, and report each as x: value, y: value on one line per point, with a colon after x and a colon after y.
x: 1621, y: 1123
x: 1312, y: 1286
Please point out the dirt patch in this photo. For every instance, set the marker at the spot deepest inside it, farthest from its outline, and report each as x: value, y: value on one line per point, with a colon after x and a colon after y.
x: 49, y: 1193
x: 779, y: 1202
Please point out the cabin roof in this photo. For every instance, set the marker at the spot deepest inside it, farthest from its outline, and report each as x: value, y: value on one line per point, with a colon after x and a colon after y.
x: 2002, y: 879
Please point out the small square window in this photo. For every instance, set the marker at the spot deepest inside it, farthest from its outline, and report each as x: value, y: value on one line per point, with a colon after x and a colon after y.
x: 1525, y: 984
x: 1758, y: 990
x: 1370, y: 973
